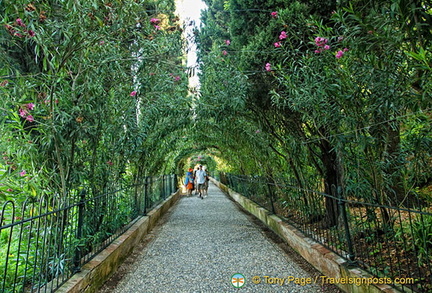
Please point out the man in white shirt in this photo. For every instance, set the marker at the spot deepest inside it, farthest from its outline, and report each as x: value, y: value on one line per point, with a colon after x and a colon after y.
x: 200, y: 180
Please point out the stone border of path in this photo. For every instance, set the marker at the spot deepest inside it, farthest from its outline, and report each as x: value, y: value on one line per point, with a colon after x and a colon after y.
x: 324, y: 260
x: 96, y: 272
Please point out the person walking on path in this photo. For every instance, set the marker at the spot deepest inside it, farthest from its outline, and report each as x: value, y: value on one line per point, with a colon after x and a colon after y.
x: 189, y: 182
x: 206, y: 184
x: 194, y: 176
x: 200, y: 178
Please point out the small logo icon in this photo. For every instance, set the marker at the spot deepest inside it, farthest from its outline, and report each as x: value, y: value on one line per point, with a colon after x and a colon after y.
x: 238, y: 280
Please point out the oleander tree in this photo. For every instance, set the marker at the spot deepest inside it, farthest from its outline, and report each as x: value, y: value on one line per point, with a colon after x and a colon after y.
x: 88, y: 88
x: 355, y: 89
x: 339, y: 91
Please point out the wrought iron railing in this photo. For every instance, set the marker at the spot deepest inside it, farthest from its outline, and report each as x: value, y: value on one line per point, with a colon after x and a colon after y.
x: 46, y: 240
x: 392, y: 243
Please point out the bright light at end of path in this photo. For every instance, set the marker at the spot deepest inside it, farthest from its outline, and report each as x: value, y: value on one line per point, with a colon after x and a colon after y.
x: 190, y: 9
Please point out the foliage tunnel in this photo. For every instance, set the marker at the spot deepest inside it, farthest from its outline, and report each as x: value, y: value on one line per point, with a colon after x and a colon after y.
x: 320, y: 94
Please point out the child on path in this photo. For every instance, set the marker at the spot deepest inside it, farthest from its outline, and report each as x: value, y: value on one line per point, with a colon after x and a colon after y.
x: 189, y: 182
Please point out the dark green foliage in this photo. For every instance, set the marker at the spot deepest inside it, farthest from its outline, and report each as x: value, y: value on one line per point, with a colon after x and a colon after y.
x: 79, y: 70
x: 343, y: 117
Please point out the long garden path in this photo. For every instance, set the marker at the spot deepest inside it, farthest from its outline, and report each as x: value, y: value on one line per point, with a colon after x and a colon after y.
x: 210, y: 245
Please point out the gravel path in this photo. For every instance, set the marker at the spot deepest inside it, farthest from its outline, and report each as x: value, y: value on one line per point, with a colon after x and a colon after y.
x: 202, y: 244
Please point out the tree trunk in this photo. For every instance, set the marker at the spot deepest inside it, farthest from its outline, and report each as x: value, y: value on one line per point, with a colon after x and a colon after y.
x: 396, y: 191
x: 329, y: 160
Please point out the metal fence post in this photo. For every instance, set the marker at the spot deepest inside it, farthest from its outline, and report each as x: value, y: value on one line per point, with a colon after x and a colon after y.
x: 173, y: 183
x: 270, y: 181
x: 342, y: 206
x: 163, y: 187
x: 145, y: 195
x: 167, y: 183
x: 79, y: 233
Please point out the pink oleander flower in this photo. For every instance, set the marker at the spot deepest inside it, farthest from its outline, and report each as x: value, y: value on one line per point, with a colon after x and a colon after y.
x: 277, y: 44
x: 23, y: 113
x: 176, y: 78
x: 18, y: 35
x: 30, y: 106
x: 157, y: 27
x: 227, y: 42
x: 326, y: 47
x: 317, y: 51
x: 274, y: 14
x: 155, y: 21
x: 30, y: 118
x: 282, y: 35
x: 31, y: 33
x: 268, y: 67
x: 133, y: 93
x: 339, y: 54
x: 20, y: 22
x: 22, y: 173
x: 224, y: 52
x: 320, y: 42
x: 9, y: 190
x: 345, y: 49
x: 101, y: 42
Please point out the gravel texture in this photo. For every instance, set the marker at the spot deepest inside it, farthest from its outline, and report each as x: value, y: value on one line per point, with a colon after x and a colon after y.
x: 201, y: 243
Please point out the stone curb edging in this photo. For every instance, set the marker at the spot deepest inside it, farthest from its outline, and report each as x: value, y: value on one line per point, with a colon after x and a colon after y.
x: 327, y: 262
x: 96, y: 272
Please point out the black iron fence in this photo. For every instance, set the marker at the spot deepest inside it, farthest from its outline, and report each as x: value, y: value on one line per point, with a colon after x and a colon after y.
x: 392, y: 243
x: 45, y: 241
